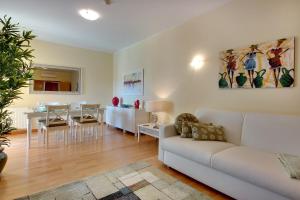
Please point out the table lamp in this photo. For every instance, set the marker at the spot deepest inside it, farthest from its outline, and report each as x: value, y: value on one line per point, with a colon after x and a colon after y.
x: 155, y: 107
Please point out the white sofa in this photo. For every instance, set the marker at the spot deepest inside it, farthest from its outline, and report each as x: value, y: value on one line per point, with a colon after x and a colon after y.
x: 246, y: 167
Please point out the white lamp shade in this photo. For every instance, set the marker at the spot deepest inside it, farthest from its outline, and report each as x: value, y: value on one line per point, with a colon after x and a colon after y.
x: 158, y: 106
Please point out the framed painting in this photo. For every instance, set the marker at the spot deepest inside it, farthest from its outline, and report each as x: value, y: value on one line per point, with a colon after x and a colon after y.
x: 51, y: 79
x: 265, y: 65
x: 133, y: 83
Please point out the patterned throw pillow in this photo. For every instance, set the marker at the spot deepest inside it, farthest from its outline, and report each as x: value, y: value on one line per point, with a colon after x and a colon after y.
x: 186, y: 131
x: 184, y: 117
x: 208, y: 132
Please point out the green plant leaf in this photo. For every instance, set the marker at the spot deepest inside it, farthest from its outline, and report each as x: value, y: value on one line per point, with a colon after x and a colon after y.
x: 16, y: 57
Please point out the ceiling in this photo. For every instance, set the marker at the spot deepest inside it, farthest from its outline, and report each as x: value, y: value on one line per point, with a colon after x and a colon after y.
x: 123, y: 23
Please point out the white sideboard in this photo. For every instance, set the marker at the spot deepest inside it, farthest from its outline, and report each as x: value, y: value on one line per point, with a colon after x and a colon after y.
x: 126, y: 118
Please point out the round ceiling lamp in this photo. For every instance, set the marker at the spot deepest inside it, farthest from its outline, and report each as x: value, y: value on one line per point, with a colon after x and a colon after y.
x: 89, y: 14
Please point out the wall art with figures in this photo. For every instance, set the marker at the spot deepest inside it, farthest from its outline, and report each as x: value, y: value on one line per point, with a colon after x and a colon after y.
x: 265, y: 65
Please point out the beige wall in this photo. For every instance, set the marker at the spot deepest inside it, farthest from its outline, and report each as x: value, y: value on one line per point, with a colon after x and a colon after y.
x: 166, y: 57
x: 97, y: 70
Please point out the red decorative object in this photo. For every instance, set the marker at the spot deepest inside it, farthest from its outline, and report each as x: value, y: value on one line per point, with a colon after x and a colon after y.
x: 137, y: 104
x: 115, y: 101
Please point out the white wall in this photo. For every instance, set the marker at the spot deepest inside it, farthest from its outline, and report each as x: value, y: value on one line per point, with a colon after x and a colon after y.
x: 97, y: 69
x: 166, y: 57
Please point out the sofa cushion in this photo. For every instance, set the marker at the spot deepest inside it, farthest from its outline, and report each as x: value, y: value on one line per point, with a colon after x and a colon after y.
x: 275, y: 133
x: 257, y: 167
x: 198, y: 151
x: 231, y: 121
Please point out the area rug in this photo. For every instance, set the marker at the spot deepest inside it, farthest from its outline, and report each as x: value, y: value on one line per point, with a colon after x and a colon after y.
x: 138, y: 181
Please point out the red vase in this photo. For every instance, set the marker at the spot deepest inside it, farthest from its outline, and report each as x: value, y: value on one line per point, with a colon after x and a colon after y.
x: 137, y: 104
x: 115, y: 101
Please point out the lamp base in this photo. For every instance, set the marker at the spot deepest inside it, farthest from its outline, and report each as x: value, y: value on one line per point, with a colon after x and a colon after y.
x: 154, y: 120
x: 156, y: 126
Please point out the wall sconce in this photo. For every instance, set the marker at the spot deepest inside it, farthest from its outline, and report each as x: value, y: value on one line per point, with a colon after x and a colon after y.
x: 197, y: 62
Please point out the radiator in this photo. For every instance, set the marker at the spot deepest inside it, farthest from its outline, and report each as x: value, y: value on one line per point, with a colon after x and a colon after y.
x: 18, y: 116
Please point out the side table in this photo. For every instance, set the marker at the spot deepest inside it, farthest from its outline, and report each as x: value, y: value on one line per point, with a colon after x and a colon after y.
x: 148, y: 129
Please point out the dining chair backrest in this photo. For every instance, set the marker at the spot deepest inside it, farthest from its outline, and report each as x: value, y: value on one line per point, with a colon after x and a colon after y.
x: 57, y: 115
x: 89, y: 112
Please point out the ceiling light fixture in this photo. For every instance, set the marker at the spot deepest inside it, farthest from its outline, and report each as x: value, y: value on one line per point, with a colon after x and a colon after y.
x: 89, y: 14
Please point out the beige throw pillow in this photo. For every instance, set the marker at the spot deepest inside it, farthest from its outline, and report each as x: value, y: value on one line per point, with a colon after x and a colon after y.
x: 186, y: 131
x: 185, y: 118
x: 208, y: 132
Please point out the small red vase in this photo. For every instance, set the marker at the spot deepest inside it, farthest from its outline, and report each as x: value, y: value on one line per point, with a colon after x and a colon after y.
x: 115, y: 101
x: 137, y: 104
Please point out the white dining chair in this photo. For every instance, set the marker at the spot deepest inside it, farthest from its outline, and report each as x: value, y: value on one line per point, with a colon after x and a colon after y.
x: 41, y: 107
x: 88, y: 119
x: 57, y: 119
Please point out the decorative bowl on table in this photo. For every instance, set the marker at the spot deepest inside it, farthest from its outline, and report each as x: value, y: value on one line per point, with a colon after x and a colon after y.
x: 41, y: 108
x: 126, y: 106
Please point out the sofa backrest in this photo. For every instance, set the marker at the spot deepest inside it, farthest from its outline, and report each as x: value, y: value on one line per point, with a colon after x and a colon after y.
x: 274, y: 133
x: 231, y: 121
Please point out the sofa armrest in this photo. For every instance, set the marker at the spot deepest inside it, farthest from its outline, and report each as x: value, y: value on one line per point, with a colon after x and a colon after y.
x: 167, y: 131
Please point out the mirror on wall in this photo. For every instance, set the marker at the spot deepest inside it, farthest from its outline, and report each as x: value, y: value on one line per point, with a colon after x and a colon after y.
x: 49, y: 79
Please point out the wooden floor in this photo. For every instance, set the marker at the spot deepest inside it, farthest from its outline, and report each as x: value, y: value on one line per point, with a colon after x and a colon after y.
x: 41, y: 168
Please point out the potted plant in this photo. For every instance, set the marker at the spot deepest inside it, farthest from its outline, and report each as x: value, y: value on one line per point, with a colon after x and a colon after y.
x: 15, y: 71
x: 3, y: 156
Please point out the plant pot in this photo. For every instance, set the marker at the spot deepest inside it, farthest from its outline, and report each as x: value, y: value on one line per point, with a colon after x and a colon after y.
x: 3, y: 159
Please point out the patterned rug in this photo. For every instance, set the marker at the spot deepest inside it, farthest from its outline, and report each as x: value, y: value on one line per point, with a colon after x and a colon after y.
x: 138, y: 181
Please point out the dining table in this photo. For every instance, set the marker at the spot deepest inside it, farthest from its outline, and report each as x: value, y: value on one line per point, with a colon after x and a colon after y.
x: 42, y: 114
